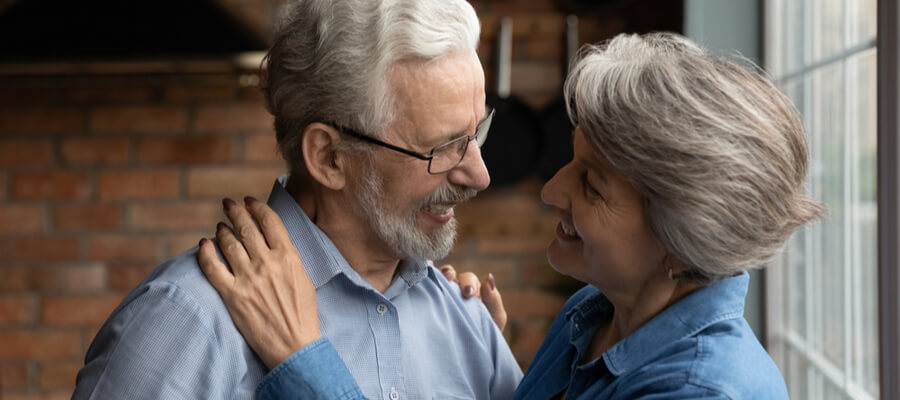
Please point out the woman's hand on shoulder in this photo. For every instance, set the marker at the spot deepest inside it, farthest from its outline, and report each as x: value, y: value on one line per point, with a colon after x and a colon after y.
x: 485, y: 289
x: 267, y: 291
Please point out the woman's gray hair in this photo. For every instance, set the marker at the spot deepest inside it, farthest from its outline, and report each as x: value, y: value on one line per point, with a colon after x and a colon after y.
x: 719, y: 154
x: 331, y: 60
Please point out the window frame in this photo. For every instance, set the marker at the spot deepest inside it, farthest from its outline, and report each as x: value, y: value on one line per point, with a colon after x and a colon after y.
x: 888, y: 89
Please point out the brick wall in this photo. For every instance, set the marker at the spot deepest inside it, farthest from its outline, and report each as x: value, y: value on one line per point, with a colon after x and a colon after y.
x: 108, y: 169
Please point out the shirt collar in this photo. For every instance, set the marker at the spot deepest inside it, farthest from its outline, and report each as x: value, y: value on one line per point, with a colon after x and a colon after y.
x: 321, y: 258
x: 719, y: 301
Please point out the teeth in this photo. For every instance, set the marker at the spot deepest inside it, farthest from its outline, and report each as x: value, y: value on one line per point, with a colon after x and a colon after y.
x: 438, y: 208
x: 568, y: 230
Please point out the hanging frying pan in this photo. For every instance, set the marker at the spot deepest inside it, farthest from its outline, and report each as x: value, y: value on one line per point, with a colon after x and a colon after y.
x: 511, y: 151
x: 556, y: 140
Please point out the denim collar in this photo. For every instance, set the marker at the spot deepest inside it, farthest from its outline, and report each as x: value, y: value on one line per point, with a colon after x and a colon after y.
x: 722, y: 300
x: 321, y: 258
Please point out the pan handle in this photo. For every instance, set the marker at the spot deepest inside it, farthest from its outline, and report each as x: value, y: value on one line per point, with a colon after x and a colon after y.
x: 504, y: 55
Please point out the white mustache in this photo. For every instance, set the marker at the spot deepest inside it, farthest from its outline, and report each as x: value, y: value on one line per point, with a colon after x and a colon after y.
x: 449, y: 194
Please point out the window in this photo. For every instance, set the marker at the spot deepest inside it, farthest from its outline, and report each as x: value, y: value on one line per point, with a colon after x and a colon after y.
x: 822, y: 294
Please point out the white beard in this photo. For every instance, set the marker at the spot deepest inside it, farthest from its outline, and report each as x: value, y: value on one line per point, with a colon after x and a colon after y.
x: 401, y: 232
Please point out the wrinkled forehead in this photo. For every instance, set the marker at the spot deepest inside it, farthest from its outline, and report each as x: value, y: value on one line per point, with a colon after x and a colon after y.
x: 445, y: 95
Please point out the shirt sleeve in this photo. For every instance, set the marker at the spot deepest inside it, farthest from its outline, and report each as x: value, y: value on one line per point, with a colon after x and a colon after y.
x: 507, y: 372
x: 159, y: 344
x: 313, y: 372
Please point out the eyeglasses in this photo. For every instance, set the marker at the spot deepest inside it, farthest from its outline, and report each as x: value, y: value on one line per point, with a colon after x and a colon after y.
x: 443, y: 157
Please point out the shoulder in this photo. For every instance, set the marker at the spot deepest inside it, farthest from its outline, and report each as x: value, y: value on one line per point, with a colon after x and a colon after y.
x: 725, y: 360
x: 172, y: 328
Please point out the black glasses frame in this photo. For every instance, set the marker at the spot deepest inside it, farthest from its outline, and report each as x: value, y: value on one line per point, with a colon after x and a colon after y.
x: 479, y: 136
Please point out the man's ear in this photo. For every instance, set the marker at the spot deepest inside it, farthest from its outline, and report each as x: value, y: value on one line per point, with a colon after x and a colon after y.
x: 324, y: 162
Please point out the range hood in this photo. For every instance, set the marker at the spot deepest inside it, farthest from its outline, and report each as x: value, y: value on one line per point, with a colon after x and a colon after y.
x: 122, y: 30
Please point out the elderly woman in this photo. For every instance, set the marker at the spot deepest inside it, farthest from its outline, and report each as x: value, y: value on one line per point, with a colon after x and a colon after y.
x: 688, y: 170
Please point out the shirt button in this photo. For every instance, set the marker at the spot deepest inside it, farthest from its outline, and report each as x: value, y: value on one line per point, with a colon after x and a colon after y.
x: 394, y: 394
x: 381, y: 308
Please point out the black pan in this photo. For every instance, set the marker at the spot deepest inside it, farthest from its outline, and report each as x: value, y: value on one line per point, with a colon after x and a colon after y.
x: 556, y: 139
x: 511, y: 151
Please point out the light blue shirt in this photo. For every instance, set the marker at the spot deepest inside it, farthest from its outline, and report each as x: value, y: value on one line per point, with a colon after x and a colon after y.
x: 172, y: 337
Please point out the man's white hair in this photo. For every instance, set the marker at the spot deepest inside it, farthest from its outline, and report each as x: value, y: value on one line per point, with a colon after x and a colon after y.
x: 331, y: 60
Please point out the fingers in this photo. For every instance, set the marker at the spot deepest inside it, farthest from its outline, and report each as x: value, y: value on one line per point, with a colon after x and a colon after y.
x: 232, y: 249
x: 245, y: 229
x: 449, y: 272
x: 214, y: 269
x: 469, y: 285
x: 275, y: 233
x: 490, y: 296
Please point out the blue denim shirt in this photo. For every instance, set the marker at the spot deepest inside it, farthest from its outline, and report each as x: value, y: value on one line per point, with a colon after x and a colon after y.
x: 699, y: 347
x: 172, y: 337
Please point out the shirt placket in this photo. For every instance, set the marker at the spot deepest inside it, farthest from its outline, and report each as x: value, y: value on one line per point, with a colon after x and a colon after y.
x: 385, y: 325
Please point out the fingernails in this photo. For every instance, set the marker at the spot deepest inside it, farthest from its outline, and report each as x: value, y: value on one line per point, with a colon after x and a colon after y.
x: 445, y: 270
x: 249, y: 200
x: 228, y: 203
x: 221, y: 225
x: 469, y: 291
x: 491, y: 283
x: 202, y: 241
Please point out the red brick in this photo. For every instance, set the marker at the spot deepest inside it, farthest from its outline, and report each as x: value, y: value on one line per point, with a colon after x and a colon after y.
x: 138, y: 184
x: 21, y: 219
x: 77, y: 310
x: 95, y: 151
x: 513, y: 245
x: 31, y: 344
x: 50, y: 185
x: 180, y: 242
x: 41, y: 120
x: 4, y: 188
x: 87, y: 217
x: 232, y: 117
x: 262, y: 148
x: 59, y: 375
x: 176, y: 216
x: 80, y: 278
x: 77, y: 278
x: 28, y: 96
x: 40, y: 249
x: 16, y: 310
x: 123, y: 247
x: 124, y: 277
x: 526, y: 337
x: 149, y: 119
x: 190, y: 94
x: 235, y: 182
x: 43, y: 395
x: 531, y: 303
x: 186, y: 150
x: 13, y: 376
x: 115, y: 94
x: 26, y: 152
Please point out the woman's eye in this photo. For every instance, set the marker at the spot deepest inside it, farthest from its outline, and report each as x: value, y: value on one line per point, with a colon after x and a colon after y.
x: 588, y: 188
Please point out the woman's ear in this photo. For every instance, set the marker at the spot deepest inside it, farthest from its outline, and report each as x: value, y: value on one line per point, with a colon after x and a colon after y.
x: 323, y: 161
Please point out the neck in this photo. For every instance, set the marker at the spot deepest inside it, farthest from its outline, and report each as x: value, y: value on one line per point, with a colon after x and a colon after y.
x: 365, y: 253
x: 632, y: 310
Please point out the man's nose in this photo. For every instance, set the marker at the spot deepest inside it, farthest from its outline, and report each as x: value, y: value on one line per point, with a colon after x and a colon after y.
x: 471, y: 171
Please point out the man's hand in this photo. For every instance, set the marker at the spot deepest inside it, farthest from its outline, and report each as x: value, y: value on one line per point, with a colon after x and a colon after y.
x: 485, y: 289
x: 267, y: 292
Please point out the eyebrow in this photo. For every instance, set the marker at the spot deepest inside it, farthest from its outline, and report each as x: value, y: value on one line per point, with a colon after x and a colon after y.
x: 456, y: 135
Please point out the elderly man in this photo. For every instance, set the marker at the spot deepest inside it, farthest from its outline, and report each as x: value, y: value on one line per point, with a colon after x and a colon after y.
x: 379, y: 111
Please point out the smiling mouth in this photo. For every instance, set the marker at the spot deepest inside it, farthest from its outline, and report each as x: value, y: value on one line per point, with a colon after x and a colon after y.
x: 439, y: 208
x: 568, y: 230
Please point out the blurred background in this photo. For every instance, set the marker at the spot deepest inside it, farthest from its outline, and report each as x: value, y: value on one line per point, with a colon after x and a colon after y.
x: 123, y: 125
